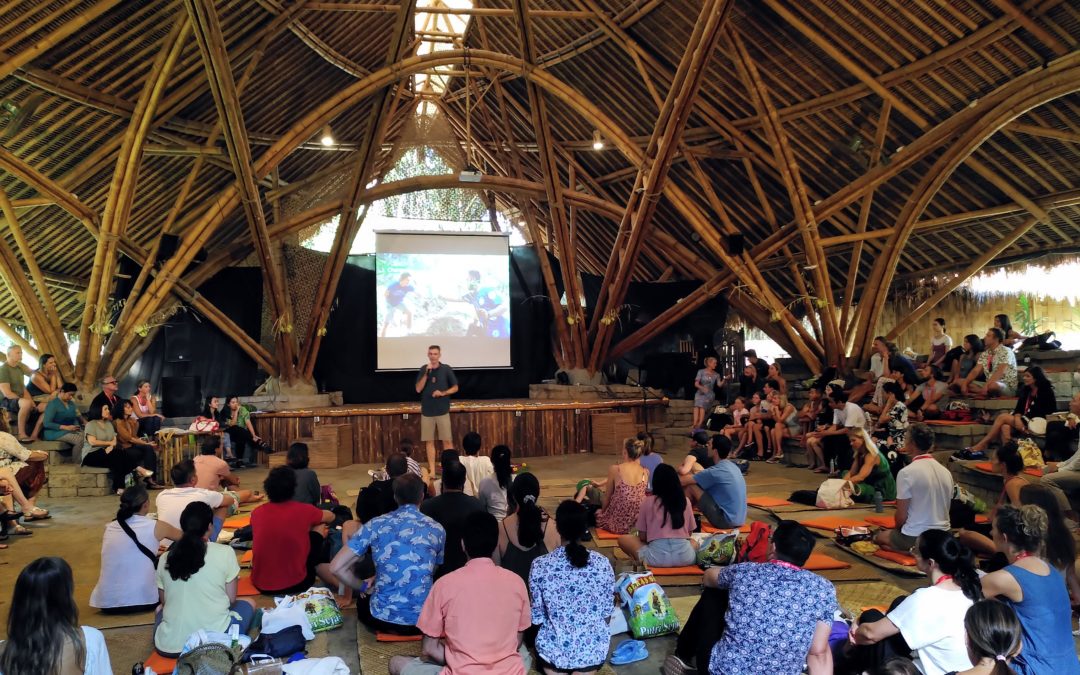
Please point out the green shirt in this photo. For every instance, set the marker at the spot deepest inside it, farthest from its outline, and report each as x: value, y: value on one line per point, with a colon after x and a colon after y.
x: 15, y: 376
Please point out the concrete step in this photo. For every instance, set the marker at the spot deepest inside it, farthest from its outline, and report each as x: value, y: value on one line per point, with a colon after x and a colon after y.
x: 72, y: 480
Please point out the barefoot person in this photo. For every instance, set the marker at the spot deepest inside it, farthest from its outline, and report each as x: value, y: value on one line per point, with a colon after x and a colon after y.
x: 435, y: 383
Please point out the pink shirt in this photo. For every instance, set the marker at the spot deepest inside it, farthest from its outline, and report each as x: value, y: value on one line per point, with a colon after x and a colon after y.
x: 652, y: 515
x: 209, y: 471
x: 478, y: 611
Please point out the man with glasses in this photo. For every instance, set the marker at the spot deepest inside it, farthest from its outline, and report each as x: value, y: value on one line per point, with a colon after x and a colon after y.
x: 109, y: 387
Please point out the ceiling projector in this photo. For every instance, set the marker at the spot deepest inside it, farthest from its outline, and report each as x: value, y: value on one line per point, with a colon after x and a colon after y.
x: 470, y: 174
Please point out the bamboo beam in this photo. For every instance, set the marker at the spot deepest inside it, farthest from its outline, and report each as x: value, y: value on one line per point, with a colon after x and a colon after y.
x: 654, y: 170
x: 82, y: 19
x: 351, y: 218
x: 119, y: 202
x: 14, y: 336
x: 1041, y: 34
x: 1044, y: 132
x: 452, y: 11
x: 22, y: 293
x: 223, y: 87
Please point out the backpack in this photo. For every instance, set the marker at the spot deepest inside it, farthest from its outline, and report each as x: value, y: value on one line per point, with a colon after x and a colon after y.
x: 209, y: 659
x: 755, y: 548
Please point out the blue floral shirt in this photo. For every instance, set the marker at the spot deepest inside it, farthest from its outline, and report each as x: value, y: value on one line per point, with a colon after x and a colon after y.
x: 572, y: 605
x: 773, y: 613
x: 406, y: 546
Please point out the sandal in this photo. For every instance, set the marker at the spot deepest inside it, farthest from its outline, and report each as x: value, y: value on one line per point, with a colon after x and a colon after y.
x: 771, y: 460
x: 36, y: 513
x: 19, y: 531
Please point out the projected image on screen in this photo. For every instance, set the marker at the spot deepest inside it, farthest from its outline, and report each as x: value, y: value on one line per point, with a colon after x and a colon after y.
x: 456, y: 294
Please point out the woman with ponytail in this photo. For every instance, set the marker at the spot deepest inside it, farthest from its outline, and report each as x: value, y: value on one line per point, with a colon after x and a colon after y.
x: 198, y: 585
x: 129, y: 556
x: 929, y: 623
x: 527, y: 533
x: 993, y: 638
x: 571, y: 590
x: 493, y: 490
x: 664, y: 524
x: 1035, y: 590
x: 1060, y: 545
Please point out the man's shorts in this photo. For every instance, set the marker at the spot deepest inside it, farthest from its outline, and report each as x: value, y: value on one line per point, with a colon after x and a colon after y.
x: 435, y: 428
x: 10, y: 404
x: 900, y: 541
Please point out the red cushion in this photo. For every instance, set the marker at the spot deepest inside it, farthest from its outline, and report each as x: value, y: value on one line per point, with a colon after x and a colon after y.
x: 392, y: 637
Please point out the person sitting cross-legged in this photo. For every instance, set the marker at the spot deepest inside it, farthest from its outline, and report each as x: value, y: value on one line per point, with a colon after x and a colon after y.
x: 172, y: 502
x: 451, y: 509
x: 214, y: 473
x: 286, y: 542
x: 997, y: 363
x: 720, y: 490
x: 664, y: 525
x: 621, y: 494
x: 474, y: 617
x: 772, y: 617
x: 924, y: 490
x: 406, y: 546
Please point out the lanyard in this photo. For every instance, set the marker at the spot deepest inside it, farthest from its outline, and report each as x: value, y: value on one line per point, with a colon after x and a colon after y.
x: 943, y: 578
x: 783, y: 563
x: 917, y: 458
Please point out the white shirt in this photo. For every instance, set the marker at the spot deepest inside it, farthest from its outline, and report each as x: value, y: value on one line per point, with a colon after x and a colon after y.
x: 932, y: 623
x: 493, y: 497
x: 850, y: 416
x: 877, y: 366
x: 929, y: 488
x: 127, y: 575
x: 171, y: 502
x: 477, y: 468
x: 97, y: 655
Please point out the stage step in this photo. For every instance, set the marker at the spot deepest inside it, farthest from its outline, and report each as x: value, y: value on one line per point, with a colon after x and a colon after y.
x: 329, y: 447
x: 72, y: 480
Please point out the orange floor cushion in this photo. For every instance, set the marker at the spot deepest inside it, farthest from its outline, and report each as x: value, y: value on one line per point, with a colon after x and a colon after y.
x: 688, y: 570
x: 236, y: 522
x: 1032, y: 471
x: 884, y: 609
x: 604, y: 534
x: 246, y: 558
x: 766, y: 502
x: 982, y: 518
x: 393, y: 637
x: 709, y: 529
x: 896, y: 557
x: 983, y: 466
x: 820, y: 561
x: 159, y: 663
x: 245, y: 587
x: 888, y: 522
x: 833, y: 522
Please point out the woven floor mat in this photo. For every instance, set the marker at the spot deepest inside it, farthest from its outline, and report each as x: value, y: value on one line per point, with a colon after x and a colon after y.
x: 853, y: 597
x: 94, y: 618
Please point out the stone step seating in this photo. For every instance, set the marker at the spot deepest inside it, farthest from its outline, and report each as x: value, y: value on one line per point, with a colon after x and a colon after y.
x: 68, y: 479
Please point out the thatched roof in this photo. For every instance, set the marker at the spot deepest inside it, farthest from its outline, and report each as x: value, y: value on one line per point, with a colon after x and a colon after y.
x: 75, y: 73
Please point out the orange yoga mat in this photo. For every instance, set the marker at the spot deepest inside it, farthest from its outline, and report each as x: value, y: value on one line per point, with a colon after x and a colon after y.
x: 766, y: 502
x: 833, y: 522
x: 709, y: 529
x: 247, y: 557
x: 982, y: 518
x: 236, y: 522
x: 896, y: 557
x: 604, y: 534
x: 244, y: 587
x: 888, y: 522
x: 987, y: 467
x: 159, y: 663
x: 820, y: 561
x: 391, y: 637
x: 688, y: 570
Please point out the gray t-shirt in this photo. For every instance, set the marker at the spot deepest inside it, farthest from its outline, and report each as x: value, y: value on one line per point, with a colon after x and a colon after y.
x: 440, y: 379
x: 15, y: 376
x: 308, y: 489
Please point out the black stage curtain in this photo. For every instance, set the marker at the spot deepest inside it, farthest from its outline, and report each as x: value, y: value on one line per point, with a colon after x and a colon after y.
x: 346, y: 360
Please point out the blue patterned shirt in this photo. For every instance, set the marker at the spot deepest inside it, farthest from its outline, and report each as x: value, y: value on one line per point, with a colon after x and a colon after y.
x: 773, y: 613
x: 572, y: 605
x: 406, y: 546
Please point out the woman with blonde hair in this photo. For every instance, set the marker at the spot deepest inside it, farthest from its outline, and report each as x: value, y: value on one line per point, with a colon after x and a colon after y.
x: 622, y: 492
x: 869, y: 471
x: 787, y: 425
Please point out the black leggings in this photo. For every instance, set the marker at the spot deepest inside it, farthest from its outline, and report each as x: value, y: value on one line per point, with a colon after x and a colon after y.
x: 868, y: 658
x: 120, y: 462
x: 838, y: 447
x: 363, y: 613
x: 243, y: 444
x: 704, y: 628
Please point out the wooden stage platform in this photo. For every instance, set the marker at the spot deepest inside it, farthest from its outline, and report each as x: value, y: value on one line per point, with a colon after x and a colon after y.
x: 531, y: 427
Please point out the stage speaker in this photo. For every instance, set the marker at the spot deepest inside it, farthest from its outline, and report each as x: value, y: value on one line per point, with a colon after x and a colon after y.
x: 736, y: 244
x: 181, y: 396
x: 179, y: 345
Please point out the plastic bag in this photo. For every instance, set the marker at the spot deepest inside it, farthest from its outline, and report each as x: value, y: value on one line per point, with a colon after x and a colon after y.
x: 1031, y: 454
x: 321, y: 609
x: 717, y: 550
x: 650, y: 612
x: 834, y: 493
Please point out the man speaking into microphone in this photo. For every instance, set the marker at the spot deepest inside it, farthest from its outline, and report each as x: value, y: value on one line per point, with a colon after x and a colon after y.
x: 435, y: 383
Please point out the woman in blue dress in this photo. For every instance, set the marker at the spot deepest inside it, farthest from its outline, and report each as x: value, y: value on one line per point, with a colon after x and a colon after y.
x: 704, y: 391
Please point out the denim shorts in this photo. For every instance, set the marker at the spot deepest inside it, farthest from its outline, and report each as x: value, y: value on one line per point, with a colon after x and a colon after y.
x: 668, y: 553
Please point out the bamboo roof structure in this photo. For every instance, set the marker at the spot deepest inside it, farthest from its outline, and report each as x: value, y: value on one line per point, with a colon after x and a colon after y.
x: 853, y: 144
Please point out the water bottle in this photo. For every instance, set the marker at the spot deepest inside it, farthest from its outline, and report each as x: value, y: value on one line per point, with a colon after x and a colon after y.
x: 879, y: 507
x: 138, y: 669
x: 832, y: 466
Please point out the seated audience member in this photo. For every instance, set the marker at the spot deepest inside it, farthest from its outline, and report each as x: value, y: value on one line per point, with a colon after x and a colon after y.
x: 965, y: 361
x: 771, y: 617
x: 997, y: 363
x: 527, y: 532
x: 286, y: 544
x: 477, y: 466
x: 831, y: 446
x: 719, y: 491
x: 473, y: 619
x: 928, y: 624
x: 940, y: 343
x: 127, y: 435
x: 649, y: 459
x: 308, y: 487
x: 739, y: 413
x: 746, y: 437
x: 198, y: 581
x: 994, y: 638
x: 43, y: 632
x: 621, y: 494
x: 786, y: 419
x: 241, y: 432
x: 1035, y: 590
x: 931, y: 395
x: 813, y: 416
x: 664, y: 524
x: 760, y: 416
x: 451, y: 509
x: 878, y: 357
x: 170, y: 504
x: 43, y: 386
x: 406, y: 448
x: 1036, y: 398
x: 924, y: 490
x: 129, y: 556
x: 144, y: 406
x: 870, y: 471
x: 1008, y: 461
x: 697, y: 458
x: 571, y: 590
x: 13, y: 394
x: 23, y: 471
x: 102, y: 449
x: 62, y: 421
x: 107, y: 396
x: 214, y: 411
x: 377, y: 499
x: 406, y: 546
x: 1060, y: 545
x: 1065, y: 475
x: 214, y: 473
x: 750, y: 382
x: 493, y: 490
x: 892, y: 426
x: 1010, y: 338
